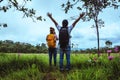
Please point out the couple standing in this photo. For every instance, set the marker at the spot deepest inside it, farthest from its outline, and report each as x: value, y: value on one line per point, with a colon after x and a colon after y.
x: 64, y: 46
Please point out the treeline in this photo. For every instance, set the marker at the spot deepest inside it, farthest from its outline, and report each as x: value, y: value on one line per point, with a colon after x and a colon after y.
x: 8, y: 46
x: 102, y: 50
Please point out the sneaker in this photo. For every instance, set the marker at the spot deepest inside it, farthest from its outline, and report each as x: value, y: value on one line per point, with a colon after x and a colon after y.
x: 54, y: 64
x: 61, y: 69
x: 67, y: 69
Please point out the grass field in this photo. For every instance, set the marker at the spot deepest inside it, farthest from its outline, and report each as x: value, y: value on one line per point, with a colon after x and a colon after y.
x: 35, y: 67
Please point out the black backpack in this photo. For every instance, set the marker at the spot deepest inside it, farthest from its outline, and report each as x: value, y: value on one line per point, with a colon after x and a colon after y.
x: 63, y: 37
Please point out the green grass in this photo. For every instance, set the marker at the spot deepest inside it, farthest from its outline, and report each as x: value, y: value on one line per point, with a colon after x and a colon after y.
x: 35, y: 67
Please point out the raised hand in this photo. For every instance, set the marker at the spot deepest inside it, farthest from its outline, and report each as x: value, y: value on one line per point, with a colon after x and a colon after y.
x: 49, y: 14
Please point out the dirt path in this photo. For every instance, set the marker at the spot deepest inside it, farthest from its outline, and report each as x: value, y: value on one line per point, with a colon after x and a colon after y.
x: 49, y: 76
x: 56, y: 75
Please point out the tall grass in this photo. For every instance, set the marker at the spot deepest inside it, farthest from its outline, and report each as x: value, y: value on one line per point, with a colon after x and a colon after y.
x: 36, y: 67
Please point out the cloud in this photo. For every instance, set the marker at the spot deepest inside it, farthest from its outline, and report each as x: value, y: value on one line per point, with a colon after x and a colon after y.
x: 77, y: 35
x: 25, y: 30
x: 88, y: 36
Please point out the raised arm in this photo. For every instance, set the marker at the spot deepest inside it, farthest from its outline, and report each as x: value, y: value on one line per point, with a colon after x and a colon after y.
x: 81, y: 15
x: 50, y: 16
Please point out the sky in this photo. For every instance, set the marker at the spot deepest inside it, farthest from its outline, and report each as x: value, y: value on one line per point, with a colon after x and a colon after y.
x: 83, y: 36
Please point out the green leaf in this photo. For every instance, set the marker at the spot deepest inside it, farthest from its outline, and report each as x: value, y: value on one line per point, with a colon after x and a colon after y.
x: 79, y: 8
x: 63, y: 5
x: 4, y: 25
x: 74, y: 0
x: 39, y: 18
x: 1, y: 1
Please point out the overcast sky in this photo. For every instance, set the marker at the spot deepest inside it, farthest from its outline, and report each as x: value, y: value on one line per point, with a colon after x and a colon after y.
x: 25, y: 30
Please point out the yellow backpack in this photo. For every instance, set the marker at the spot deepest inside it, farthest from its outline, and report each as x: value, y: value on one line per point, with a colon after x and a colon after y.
x: 51, y: 42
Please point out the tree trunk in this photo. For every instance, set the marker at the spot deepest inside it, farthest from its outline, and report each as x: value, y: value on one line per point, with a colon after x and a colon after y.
x: 98, y: 50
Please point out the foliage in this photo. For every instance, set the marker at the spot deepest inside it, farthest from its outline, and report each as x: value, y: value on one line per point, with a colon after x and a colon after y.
x: 36, y: 67
x: 108, y: 43
x: 8, y: 46
x: 19, y: 6
x: 90, y: 5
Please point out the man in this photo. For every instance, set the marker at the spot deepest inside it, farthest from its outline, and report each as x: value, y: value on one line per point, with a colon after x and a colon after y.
x: 51, y: 42
x: 67, y: 48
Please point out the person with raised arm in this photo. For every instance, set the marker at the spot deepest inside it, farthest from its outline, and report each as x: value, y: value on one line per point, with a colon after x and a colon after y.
x: 64, y: 39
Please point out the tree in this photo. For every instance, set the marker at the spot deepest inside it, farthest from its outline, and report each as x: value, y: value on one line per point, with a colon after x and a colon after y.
x: 108, y: 43
x: 44, y: 48
x: 8, y: 46
x: 92, y: 9
x: 18, y: 7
